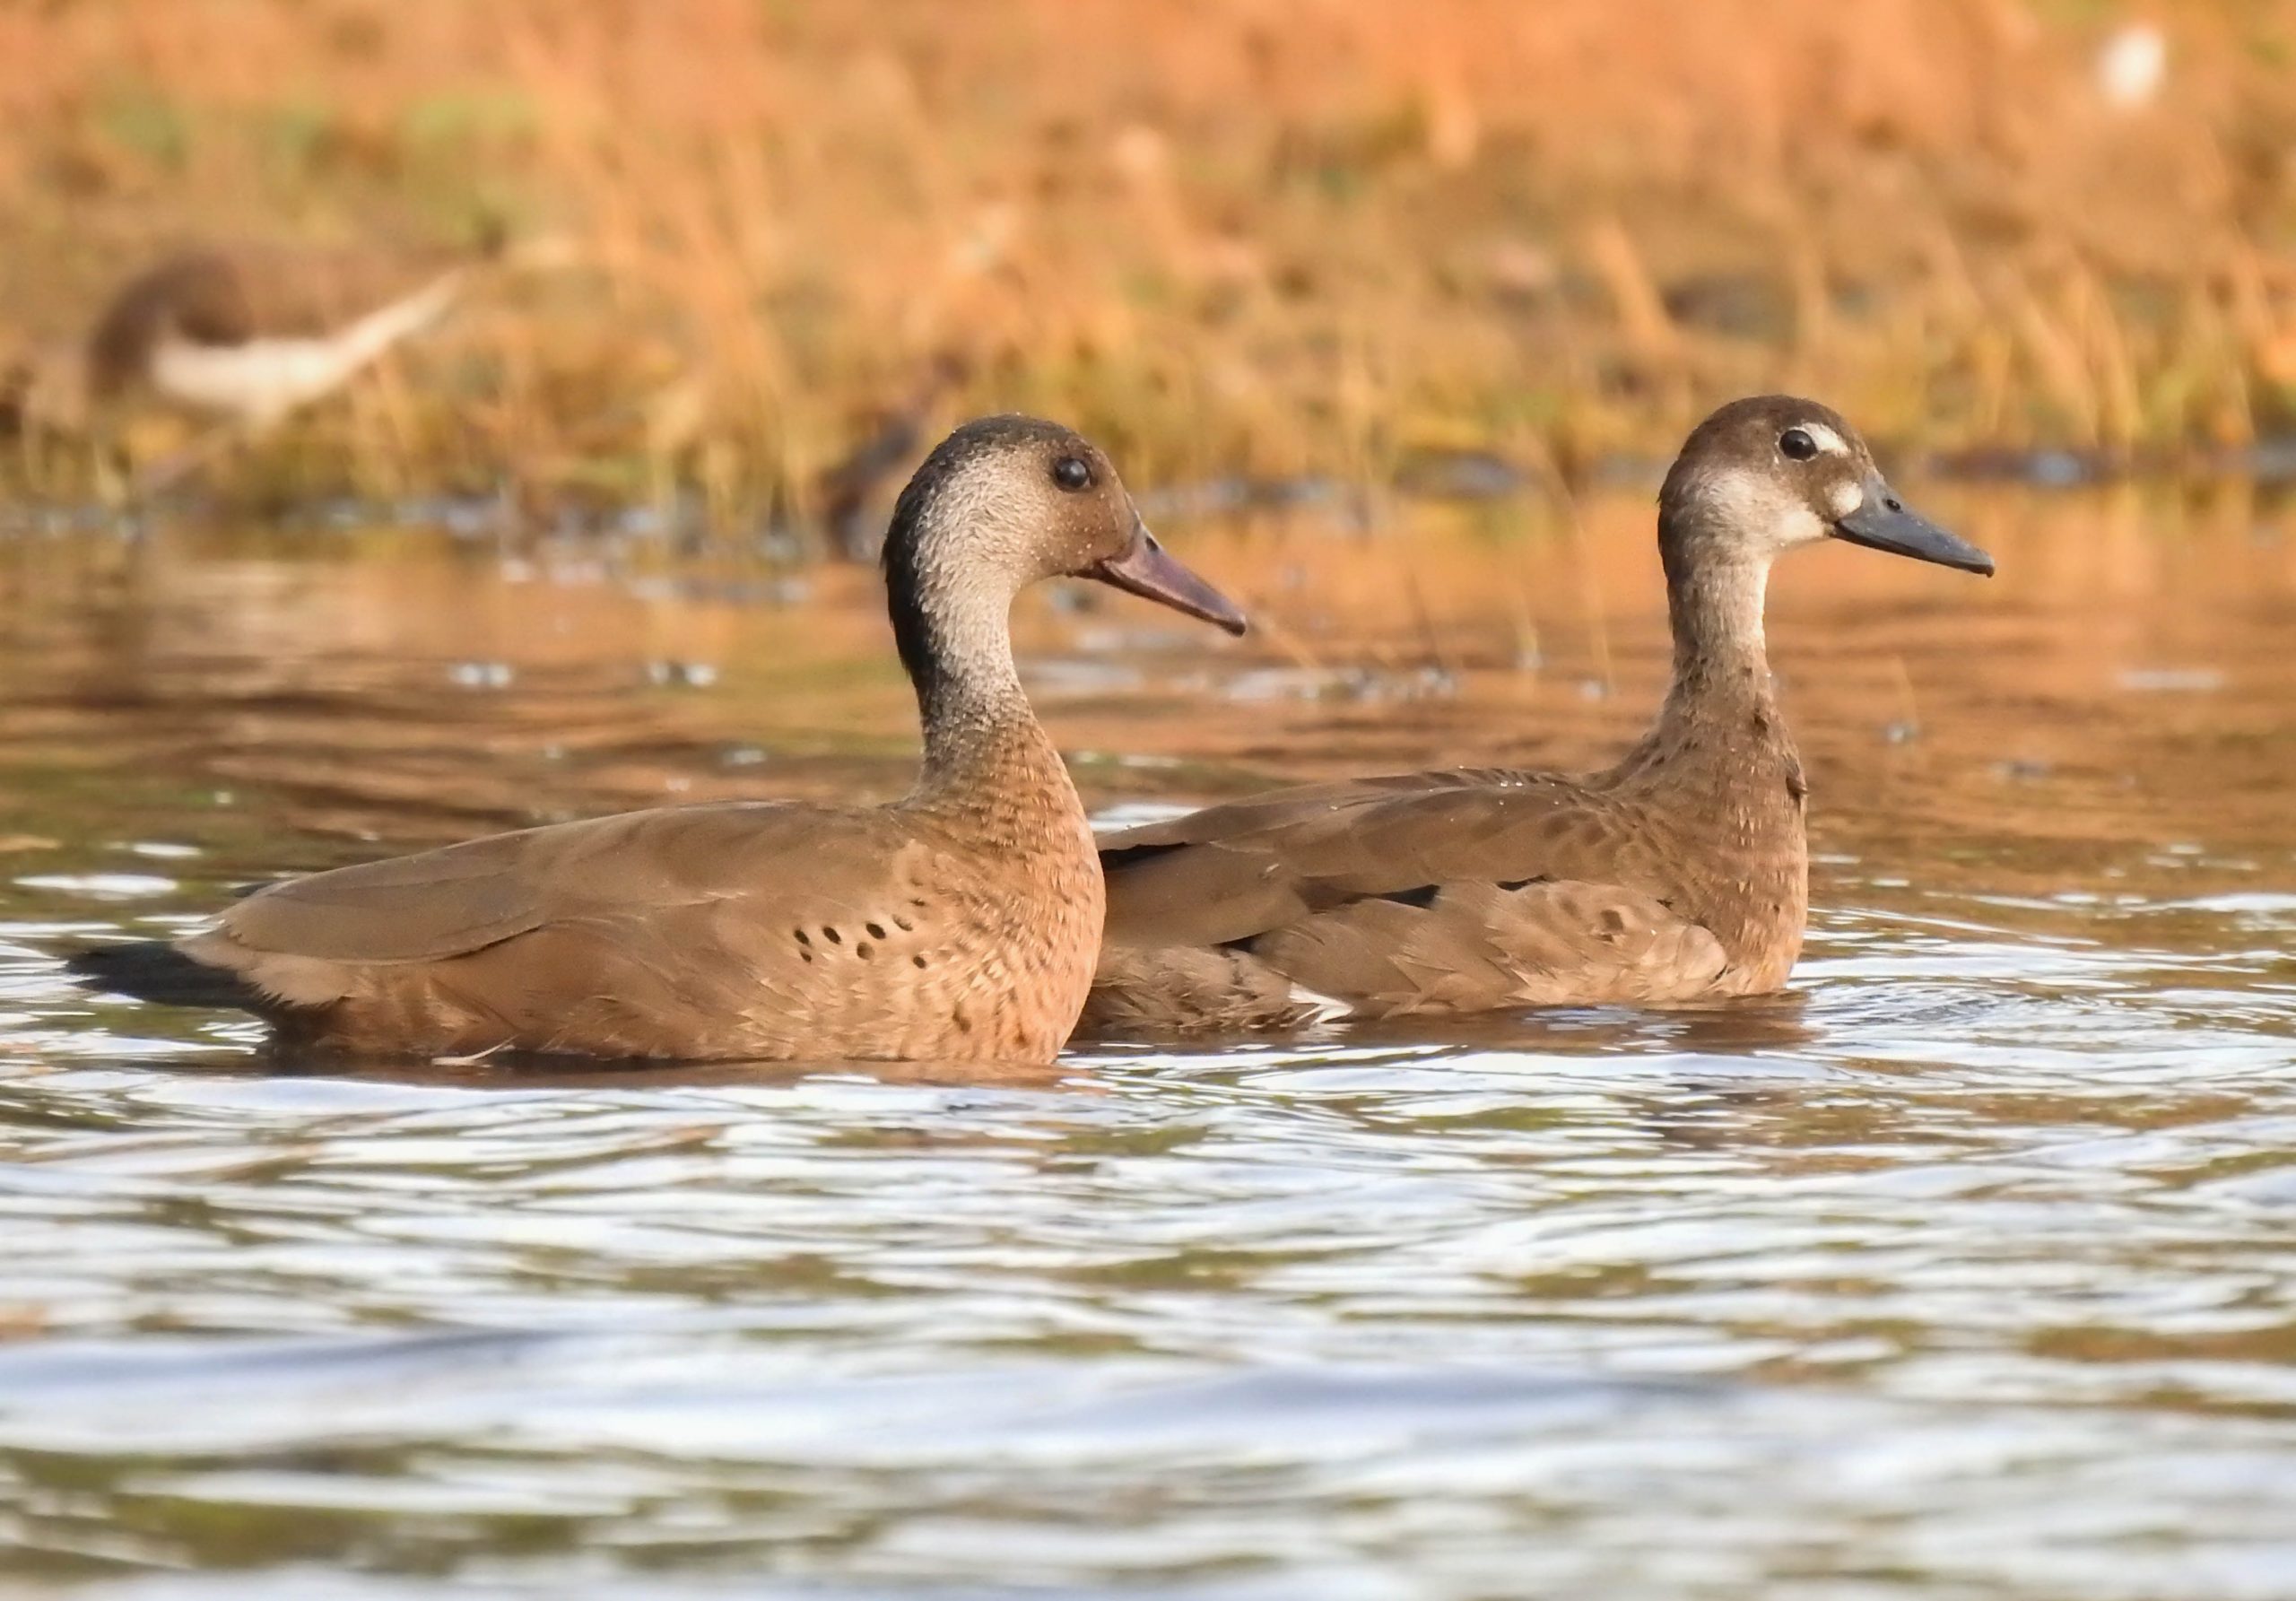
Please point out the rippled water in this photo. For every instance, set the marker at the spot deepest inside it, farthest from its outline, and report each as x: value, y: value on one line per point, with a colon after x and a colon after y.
x: 1967, y: 1269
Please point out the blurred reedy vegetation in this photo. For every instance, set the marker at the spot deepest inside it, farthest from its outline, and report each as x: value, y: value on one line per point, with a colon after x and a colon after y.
x: 1261, y: 236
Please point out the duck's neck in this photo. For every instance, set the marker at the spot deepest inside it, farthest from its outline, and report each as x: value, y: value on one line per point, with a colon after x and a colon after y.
x: 985, y: 752
x: 1719, y: 730
x: 1721, y: 660
x: 1718, y: 766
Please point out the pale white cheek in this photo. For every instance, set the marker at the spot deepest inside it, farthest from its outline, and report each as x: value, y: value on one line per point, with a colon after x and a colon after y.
x: 1769, y: 517
x: 1848, y: 498
x: 1801, y: 527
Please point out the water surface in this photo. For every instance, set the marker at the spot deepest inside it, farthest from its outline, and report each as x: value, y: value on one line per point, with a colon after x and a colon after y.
x: 1967, y: 1269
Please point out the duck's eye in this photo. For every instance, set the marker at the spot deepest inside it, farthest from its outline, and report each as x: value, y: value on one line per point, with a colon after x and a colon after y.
x: 1072, y: 473
x: 1797, y: 445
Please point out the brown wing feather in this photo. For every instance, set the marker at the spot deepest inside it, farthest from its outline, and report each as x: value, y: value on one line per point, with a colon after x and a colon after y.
x: 664, y: 932
x: 1475, y: 946
x: 450, y: 901
x: 636, y: 981
x: 1459, y: 891
x: 1237, y: 871
x: 1182, y: 989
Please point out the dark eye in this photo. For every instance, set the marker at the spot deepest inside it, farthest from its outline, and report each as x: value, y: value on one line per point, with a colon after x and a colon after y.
x: 1072, y: 473
x: 1799, y: 446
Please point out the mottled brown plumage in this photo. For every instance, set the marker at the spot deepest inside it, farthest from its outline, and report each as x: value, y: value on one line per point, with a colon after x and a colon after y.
x: 1680, y: 875
x: 961, y: 923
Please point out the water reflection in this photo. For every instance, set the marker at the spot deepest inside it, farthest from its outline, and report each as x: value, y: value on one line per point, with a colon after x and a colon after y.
x: 1961, y: 1270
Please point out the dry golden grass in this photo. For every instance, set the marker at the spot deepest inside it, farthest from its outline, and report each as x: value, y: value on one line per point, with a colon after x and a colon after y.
x: 1259, y: 236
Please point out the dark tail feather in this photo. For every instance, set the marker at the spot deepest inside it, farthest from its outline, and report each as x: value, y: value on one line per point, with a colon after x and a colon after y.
x: 153, y: 969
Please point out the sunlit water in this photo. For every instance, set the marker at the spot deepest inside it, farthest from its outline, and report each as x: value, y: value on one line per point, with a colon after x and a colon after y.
x: 1967, y: 1269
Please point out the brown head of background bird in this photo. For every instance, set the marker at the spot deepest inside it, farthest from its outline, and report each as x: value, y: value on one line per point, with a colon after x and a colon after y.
x: 238, y: 337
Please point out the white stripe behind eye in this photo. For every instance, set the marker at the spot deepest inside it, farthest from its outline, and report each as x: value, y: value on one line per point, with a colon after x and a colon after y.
x: 1826, y: 439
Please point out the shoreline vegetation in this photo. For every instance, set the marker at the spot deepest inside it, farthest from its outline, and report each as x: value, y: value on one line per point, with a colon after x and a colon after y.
x: 1266, y: 242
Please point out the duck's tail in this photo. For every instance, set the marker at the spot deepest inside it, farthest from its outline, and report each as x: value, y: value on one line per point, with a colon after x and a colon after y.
x: 153, y: 969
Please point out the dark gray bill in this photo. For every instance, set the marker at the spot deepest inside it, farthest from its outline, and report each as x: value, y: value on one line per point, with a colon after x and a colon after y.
x: 1145, y: 570
x: 1882, y: 523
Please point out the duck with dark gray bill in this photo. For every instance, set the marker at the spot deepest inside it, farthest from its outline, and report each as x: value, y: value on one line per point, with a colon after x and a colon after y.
x: 1679, y: 876
x: 958, y: 924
